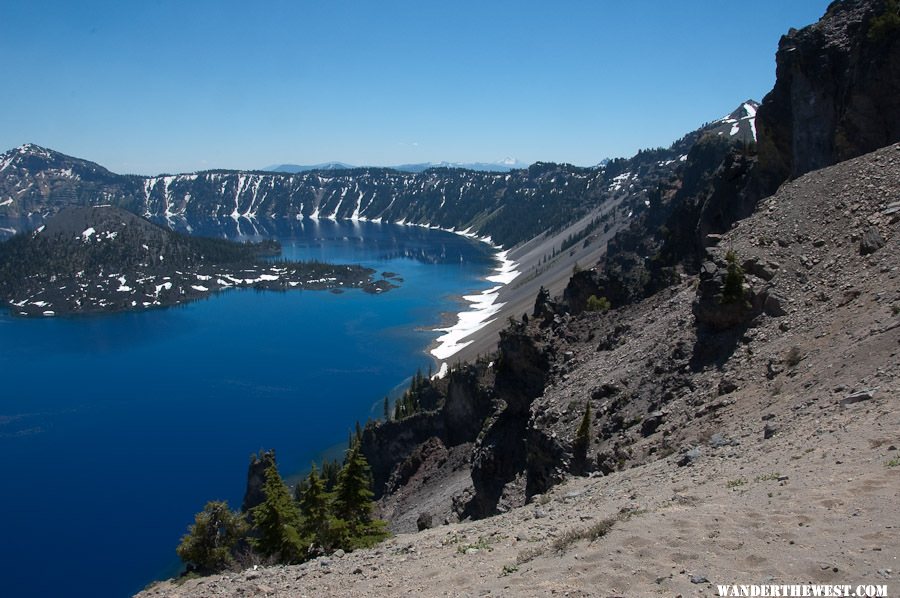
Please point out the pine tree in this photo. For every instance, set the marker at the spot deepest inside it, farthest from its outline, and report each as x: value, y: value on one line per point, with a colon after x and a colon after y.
x: 353, y: 502
x: 330, y: 470
x: 314, y: 522
x: 276, y: 522
x: 733, y: 289
x: 387, y: 409
x: 210, y: 539
x: 583, y: 437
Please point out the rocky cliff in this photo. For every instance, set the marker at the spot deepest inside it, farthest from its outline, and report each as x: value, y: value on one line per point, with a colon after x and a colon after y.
x: 837, y: 92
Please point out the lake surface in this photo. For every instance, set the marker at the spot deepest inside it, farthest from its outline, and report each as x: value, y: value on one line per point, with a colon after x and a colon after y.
x: 116, y: 429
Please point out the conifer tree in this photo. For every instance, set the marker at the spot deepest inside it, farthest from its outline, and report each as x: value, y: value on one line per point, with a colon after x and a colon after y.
x: 582, y: 437
x: 314, y: 521
x: 330, y: 470
x: 353, y: 502
x: 211, y: 538
x: 276, y: 522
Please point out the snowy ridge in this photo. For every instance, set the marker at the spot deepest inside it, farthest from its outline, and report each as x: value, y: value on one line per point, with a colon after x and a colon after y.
x: 744, y: 115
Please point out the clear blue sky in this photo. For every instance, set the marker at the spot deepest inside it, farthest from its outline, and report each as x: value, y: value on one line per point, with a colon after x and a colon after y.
x: 156, y: 86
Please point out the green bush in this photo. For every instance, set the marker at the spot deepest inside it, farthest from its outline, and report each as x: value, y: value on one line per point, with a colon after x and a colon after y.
x: 208, y: 545
x: 733, y: 291
x: 886, y: 25
x: 598, y: 304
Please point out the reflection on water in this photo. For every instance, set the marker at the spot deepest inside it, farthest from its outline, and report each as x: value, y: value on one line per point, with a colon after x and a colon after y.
x: 389, y: 241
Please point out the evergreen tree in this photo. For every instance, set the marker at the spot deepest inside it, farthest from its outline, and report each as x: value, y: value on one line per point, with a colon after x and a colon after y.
x: 733, y: 289
x: 353, y: 502
x: 583, y: 437
x: 387, y: 409
x: 314, y: 522
x: 211, y: 538
x: 330, y: 470
x: 276, y: 522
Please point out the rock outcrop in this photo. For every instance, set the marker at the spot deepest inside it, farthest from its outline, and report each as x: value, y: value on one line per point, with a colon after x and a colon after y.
x: 837, y: 92
x: 256, y: 479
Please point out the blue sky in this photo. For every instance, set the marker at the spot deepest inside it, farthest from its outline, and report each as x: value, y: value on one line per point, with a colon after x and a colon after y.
x: 174, y: 86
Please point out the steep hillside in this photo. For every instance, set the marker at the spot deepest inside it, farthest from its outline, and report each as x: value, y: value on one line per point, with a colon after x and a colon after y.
x: 710, y: 418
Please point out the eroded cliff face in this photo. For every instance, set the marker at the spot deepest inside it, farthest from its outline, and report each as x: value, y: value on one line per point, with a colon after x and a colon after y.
x: 836, y: 95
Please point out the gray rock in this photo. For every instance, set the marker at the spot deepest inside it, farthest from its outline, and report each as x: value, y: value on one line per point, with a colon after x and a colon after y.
x: 719, y: 440
x: 774, y: 306
x: 339, y: 553
x: 651, y: 423
x: 754, y: 267
x: 727, y: 386
x: 768, y: 431
x: 688, y: 457
x: 871, y: 241
x: 423, y: 522
x: 699, y: 578
x: 858, y: 397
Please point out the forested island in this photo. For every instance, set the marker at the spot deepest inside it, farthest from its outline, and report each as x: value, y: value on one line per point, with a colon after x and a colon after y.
x: 105, y: 259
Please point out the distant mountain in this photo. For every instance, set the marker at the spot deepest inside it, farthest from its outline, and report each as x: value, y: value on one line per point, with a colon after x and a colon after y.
x: 740, y: 124
x: 509, y: 206
x: 295, y: 168
x: 504, y: 165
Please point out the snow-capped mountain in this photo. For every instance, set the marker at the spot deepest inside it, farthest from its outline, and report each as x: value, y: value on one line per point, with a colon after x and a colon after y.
x: 503, y: 165
x: 740, y: 124
x: 294, y: 168
x: 509, y: 205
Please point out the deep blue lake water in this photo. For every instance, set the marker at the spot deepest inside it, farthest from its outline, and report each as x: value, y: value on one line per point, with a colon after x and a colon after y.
x: 116, y: 429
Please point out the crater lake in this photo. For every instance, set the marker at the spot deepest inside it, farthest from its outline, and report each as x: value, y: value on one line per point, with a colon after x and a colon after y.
x: 116, y: 429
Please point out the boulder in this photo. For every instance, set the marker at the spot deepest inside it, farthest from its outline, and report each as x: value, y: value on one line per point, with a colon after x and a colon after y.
x: 870, y: 241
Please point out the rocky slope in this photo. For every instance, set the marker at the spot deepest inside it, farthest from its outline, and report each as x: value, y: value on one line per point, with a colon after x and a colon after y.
x: 781, y: 423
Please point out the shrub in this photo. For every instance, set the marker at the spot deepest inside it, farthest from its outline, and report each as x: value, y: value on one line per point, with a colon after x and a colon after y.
x: 885, y: 26
x: 598, y: 304
x: 208, y: 545
x: 794, y: 357
x: 733, y: 290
